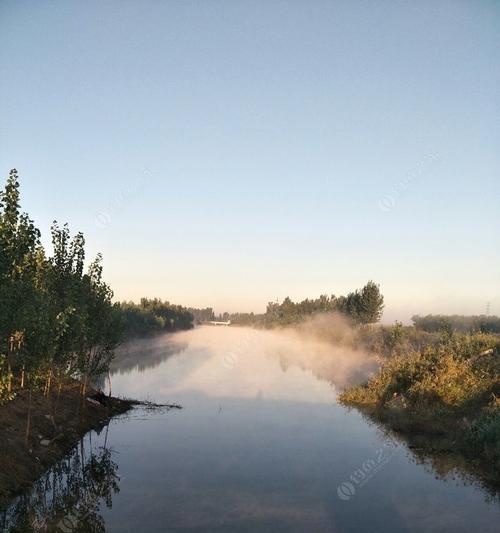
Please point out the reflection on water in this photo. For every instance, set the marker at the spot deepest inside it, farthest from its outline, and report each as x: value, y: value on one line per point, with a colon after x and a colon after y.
x: 143, y: 354
x: 238, y: 362
x: 433, y: 454
x: 69, y: 496
x: 261, y: 445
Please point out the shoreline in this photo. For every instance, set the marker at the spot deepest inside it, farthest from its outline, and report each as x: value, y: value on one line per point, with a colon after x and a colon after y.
x: 57, y: 423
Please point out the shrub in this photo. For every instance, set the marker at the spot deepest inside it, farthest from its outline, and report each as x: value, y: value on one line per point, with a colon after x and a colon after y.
x: 452, y: 376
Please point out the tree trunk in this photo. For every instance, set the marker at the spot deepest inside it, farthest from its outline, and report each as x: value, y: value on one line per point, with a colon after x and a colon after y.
x: 28, y: 421
x: 9, y: 366
x: 22, y: 378
x: 9, y: 375
x: 109, y: 383
x: 49, y: 381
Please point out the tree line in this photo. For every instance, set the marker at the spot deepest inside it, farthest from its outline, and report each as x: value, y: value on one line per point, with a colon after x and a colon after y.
x: 151, y: 316
x: 362, y: 306
x: 202, y: 315
x: 459, y: 323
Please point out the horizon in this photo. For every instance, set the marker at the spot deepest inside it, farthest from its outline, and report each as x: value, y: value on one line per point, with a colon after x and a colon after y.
x: 230, y: 155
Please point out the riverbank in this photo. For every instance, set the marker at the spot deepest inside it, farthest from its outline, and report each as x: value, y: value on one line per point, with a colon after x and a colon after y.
x: 57, y: 423
x: 445, y: 398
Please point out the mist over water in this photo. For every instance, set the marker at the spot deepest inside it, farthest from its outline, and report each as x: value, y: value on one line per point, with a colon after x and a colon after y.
x: 237, y: 361
x: 325, y: 342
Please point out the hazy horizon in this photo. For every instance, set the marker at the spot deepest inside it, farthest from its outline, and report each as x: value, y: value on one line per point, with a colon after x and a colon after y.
x: 230, y: 154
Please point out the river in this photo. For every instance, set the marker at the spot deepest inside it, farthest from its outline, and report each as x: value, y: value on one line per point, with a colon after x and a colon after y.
x: 260, y: 444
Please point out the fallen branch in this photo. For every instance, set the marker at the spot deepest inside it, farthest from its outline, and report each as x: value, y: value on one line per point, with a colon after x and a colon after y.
x: 153, y: 405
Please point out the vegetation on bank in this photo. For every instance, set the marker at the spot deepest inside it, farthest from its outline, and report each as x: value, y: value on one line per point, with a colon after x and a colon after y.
x: 204, y: 315
x: 449, y: 388
x: 152, y: 316
x: 362, y: 306
x: 56, y: 317
x: 460, y: 323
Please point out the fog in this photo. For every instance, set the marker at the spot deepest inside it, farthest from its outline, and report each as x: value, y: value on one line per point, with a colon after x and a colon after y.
x: 321, y: 345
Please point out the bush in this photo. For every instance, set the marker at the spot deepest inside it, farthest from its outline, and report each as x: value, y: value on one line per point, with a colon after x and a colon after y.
x: 451, y: 376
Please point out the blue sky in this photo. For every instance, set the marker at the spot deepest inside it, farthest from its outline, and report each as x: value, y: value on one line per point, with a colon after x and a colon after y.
x: 230, y: 153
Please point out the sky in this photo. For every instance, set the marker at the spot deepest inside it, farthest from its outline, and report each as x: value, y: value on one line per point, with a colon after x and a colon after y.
x: 231, y: 153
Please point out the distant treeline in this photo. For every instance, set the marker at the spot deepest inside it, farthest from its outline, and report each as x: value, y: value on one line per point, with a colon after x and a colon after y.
x: 202, y: 315
x: 363, y: 306
x: 207, y: 314
x: 153, y: 316
x: 460, y: 323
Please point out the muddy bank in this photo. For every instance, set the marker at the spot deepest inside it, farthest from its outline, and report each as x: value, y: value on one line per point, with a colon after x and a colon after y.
x: 57, y: 423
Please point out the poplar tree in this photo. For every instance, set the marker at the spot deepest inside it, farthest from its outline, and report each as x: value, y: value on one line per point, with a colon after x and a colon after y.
x: 56, y: 320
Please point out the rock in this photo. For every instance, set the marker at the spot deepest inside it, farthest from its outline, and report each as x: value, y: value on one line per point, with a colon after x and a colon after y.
x: 45, y: 442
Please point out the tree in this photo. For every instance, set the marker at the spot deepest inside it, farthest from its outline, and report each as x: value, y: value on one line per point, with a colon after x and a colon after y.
x: 19, y: 249
x: 101, y: 328
x: 55, y: 320
x: 370, y: 304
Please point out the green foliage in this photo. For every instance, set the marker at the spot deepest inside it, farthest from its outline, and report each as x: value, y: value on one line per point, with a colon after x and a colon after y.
x: 484, y: 433
x: 202, y: 315
x: 367, y: 305
x: 452, y: 376
x: 55, y: 319
x: 153, y: 316
x: 363, y: 306
x: 393, y: 340
x: 458, y: 323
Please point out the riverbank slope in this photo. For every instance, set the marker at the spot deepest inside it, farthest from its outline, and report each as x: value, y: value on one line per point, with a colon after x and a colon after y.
x: 57, y: 423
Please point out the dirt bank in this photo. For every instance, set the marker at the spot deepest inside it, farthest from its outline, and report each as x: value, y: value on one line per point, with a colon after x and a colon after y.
x: 57, y: 423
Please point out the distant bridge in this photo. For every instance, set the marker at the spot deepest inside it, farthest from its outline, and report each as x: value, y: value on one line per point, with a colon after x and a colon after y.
x: 216, y: 323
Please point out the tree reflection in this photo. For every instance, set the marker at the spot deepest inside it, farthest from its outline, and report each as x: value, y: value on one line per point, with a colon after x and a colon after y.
x: 140, y: 355
x: 69, y: 497
x: 435, y: 454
